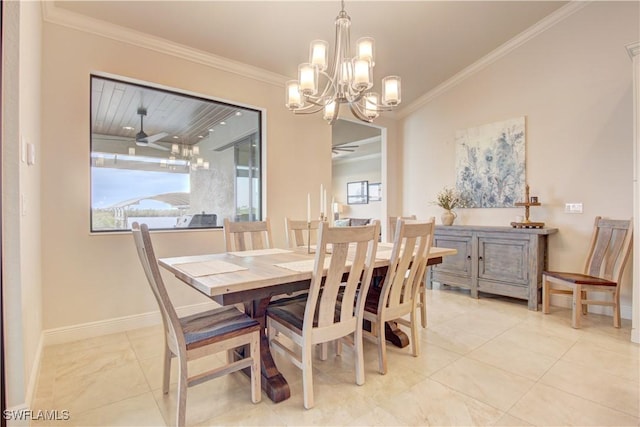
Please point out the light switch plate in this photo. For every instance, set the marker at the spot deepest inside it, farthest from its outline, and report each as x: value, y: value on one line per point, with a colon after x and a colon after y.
x: 573, y: 208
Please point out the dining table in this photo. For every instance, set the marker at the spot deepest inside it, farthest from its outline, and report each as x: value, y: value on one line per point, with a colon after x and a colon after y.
x: 254, y: 277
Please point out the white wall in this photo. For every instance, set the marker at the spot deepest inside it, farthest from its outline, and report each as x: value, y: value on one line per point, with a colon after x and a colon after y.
x: 573, y: 84
x: 367, y: 169
x: 91, y: 278
x: 21, y: 196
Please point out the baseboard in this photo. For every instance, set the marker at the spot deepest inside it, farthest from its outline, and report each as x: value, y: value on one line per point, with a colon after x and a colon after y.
x: 111, y: 326
x: 35, y: 374
x: 89, y: 330
x: 17, y: 416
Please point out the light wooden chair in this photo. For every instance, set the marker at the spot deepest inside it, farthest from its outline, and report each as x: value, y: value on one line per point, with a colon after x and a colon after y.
x: 334, y: 307
x: 422, y: 300
x: 604, y: 266
x: 198, y: 335
x: 247, y: 235
x: 401, y: 287
x: 393, y: 220
x: 298, y: 229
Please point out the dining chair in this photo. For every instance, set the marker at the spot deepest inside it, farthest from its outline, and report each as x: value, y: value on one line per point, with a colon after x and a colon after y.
x: 297, y: 230
x: 198, y: 335
x: 607, y: 256
x: 422, y: 300
x: 398, y: 295
x: 247, y: 235
x: 393, y: 220
x: 335, y: 302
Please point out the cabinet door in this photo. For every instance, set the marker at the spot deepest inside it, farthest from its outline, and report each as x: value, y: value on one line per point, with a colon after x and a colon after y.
x: 458, y: 264
x: 503, y: 259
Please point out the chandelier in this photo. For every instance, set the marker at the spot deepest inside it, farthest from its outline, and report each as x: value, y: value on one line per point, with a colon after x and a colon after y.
x: 189, y: 155
x: 347, y: 80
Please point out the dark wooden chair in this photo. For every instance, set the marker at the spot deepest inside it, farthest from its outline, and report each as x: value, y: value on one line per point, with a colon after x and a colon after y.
x: 198, y: 335
x: 604, y: 266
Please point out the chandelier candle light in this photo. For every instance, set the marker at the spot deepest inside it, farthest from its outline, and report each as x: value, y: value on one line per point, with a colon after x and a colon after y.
x: 348, y: 79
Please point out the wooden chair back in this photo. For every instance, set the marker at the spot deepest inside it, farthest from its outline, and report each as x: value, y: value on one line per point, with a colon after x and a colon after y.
x: 298, y: 229
x: 247, y: 235
x: 393, y: 220
x: 411, y: 246
x: 609, y: 249
x: 336, y: 316
x: 173, y: 330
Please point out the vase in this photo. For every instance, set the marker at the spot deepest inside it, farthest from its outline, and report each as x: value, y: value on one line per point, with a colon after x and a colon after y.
x: 448, y: 217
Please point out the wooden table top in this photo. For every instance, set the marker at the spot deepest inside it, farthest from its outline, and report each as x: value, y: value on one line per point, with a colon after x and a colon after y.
x: 211, y: 273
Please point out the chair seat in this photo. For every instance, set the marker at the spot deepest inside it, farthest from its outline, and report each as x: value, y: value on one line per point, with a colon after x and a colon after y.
x: 291, y: 312
x: 215, y: 325
x: 580, y: 279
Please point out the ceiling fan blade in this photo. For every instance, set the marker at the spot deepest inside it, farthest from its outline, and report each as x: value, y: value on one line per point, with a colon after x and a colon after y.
x: 156, y: 137
x: 157, y: 146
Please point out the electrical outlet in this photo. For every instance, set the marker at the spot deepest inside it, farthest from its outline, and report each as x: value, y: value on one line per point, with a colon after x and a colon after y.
x: 573, y: 208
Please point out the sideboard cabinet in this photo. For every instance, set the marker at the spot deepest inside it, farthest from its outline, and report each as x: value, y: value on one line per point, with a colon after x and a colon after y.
x: 497, y: 260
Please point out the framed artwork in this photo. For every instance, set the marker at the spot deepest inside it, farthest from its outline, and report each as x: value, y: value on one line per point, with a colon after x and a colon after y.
x: 490, y: 164
x: 358, y: 192
x: 375, y: 192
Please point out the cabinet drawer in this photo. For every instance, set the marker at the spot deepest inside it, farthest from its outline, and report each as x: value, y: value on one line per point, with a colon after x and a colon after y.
x: 458, y: 264
x: 503, y: 260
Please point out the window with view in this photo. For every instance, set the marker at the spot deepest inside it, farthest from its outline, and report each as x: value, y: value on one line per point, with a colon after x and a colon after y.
x: 171, y: 160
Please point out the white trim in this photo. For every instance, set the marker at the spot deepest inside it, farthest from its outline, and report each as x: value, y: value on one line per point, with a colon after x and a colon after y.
x: 55, y: 15
x: 633, y: 49
x: 18, y: 423
x: 35, y: 374
x: 110, y: 326
x: 95, y: 329
x: 490, y: 58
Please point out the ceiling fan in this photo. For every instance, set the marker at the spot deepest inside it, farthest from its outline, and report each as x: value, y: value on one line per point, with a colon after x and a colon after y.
x: 144, y: 140
x: 340, y: 149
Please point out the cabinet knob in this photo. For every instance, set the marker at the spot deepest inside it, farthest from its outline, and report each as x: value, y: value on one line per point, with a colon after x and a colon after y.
x: 468, y: 256
x: 480, y: 258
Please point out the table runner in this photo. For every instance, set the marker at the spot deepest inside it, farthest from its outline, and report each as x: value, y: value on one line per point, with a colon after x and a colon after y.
x: 207, y: 268
x: 258, y: 252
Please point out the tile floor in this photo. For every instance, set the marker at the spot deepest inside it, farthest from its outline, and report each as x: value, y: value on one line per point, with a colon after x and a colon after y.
x: 483, y: 362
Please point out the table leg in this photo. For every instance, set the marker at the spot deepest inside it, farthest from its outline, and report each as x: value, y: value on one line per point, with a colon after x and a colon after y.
x: 273, y: 383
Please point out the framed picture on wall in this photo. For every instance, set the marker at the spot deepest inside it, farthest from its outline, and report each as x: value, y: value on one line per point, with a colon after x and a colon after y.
x: 358, y: 192
x: 375, y: 192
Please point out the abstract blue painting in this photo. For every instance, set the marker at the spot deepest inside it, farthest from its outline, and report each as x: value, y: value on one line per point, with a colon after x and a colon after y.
x: 490, y: 164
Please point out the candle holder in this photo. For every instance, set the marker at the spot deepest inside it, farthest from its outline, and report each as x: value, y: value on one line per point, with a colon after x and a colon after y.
x: 529, y: 201
x: 308, y: 237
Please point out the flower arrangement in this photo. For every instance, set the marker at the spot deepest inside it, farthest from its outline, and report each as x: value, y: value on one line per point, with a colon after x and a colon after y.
x: 449, y: 199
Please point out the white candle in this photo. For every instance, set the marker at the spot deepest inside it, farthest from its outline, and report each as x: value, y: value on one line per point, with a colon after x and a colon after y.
x: 324, y: 202
x: 308, y: 207
x: 361, y: 72
x: 321, y: 200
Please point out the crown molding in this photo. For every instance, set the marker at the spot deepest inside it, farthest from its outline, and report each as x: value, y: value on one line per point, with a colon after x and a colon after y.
x: 633, y: 49
x: 493, y: 56
x: 55, y: 15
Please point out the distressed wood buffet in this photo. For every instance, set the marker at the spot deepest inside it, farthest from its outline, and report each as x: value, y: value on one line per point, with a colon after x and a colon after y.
x: 497, y: 260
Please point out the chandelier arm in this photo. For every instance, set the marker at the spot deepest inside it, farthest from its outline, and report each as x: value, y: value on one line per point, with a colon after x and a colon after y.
x: 309, y: 109
x: 355, y: 110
